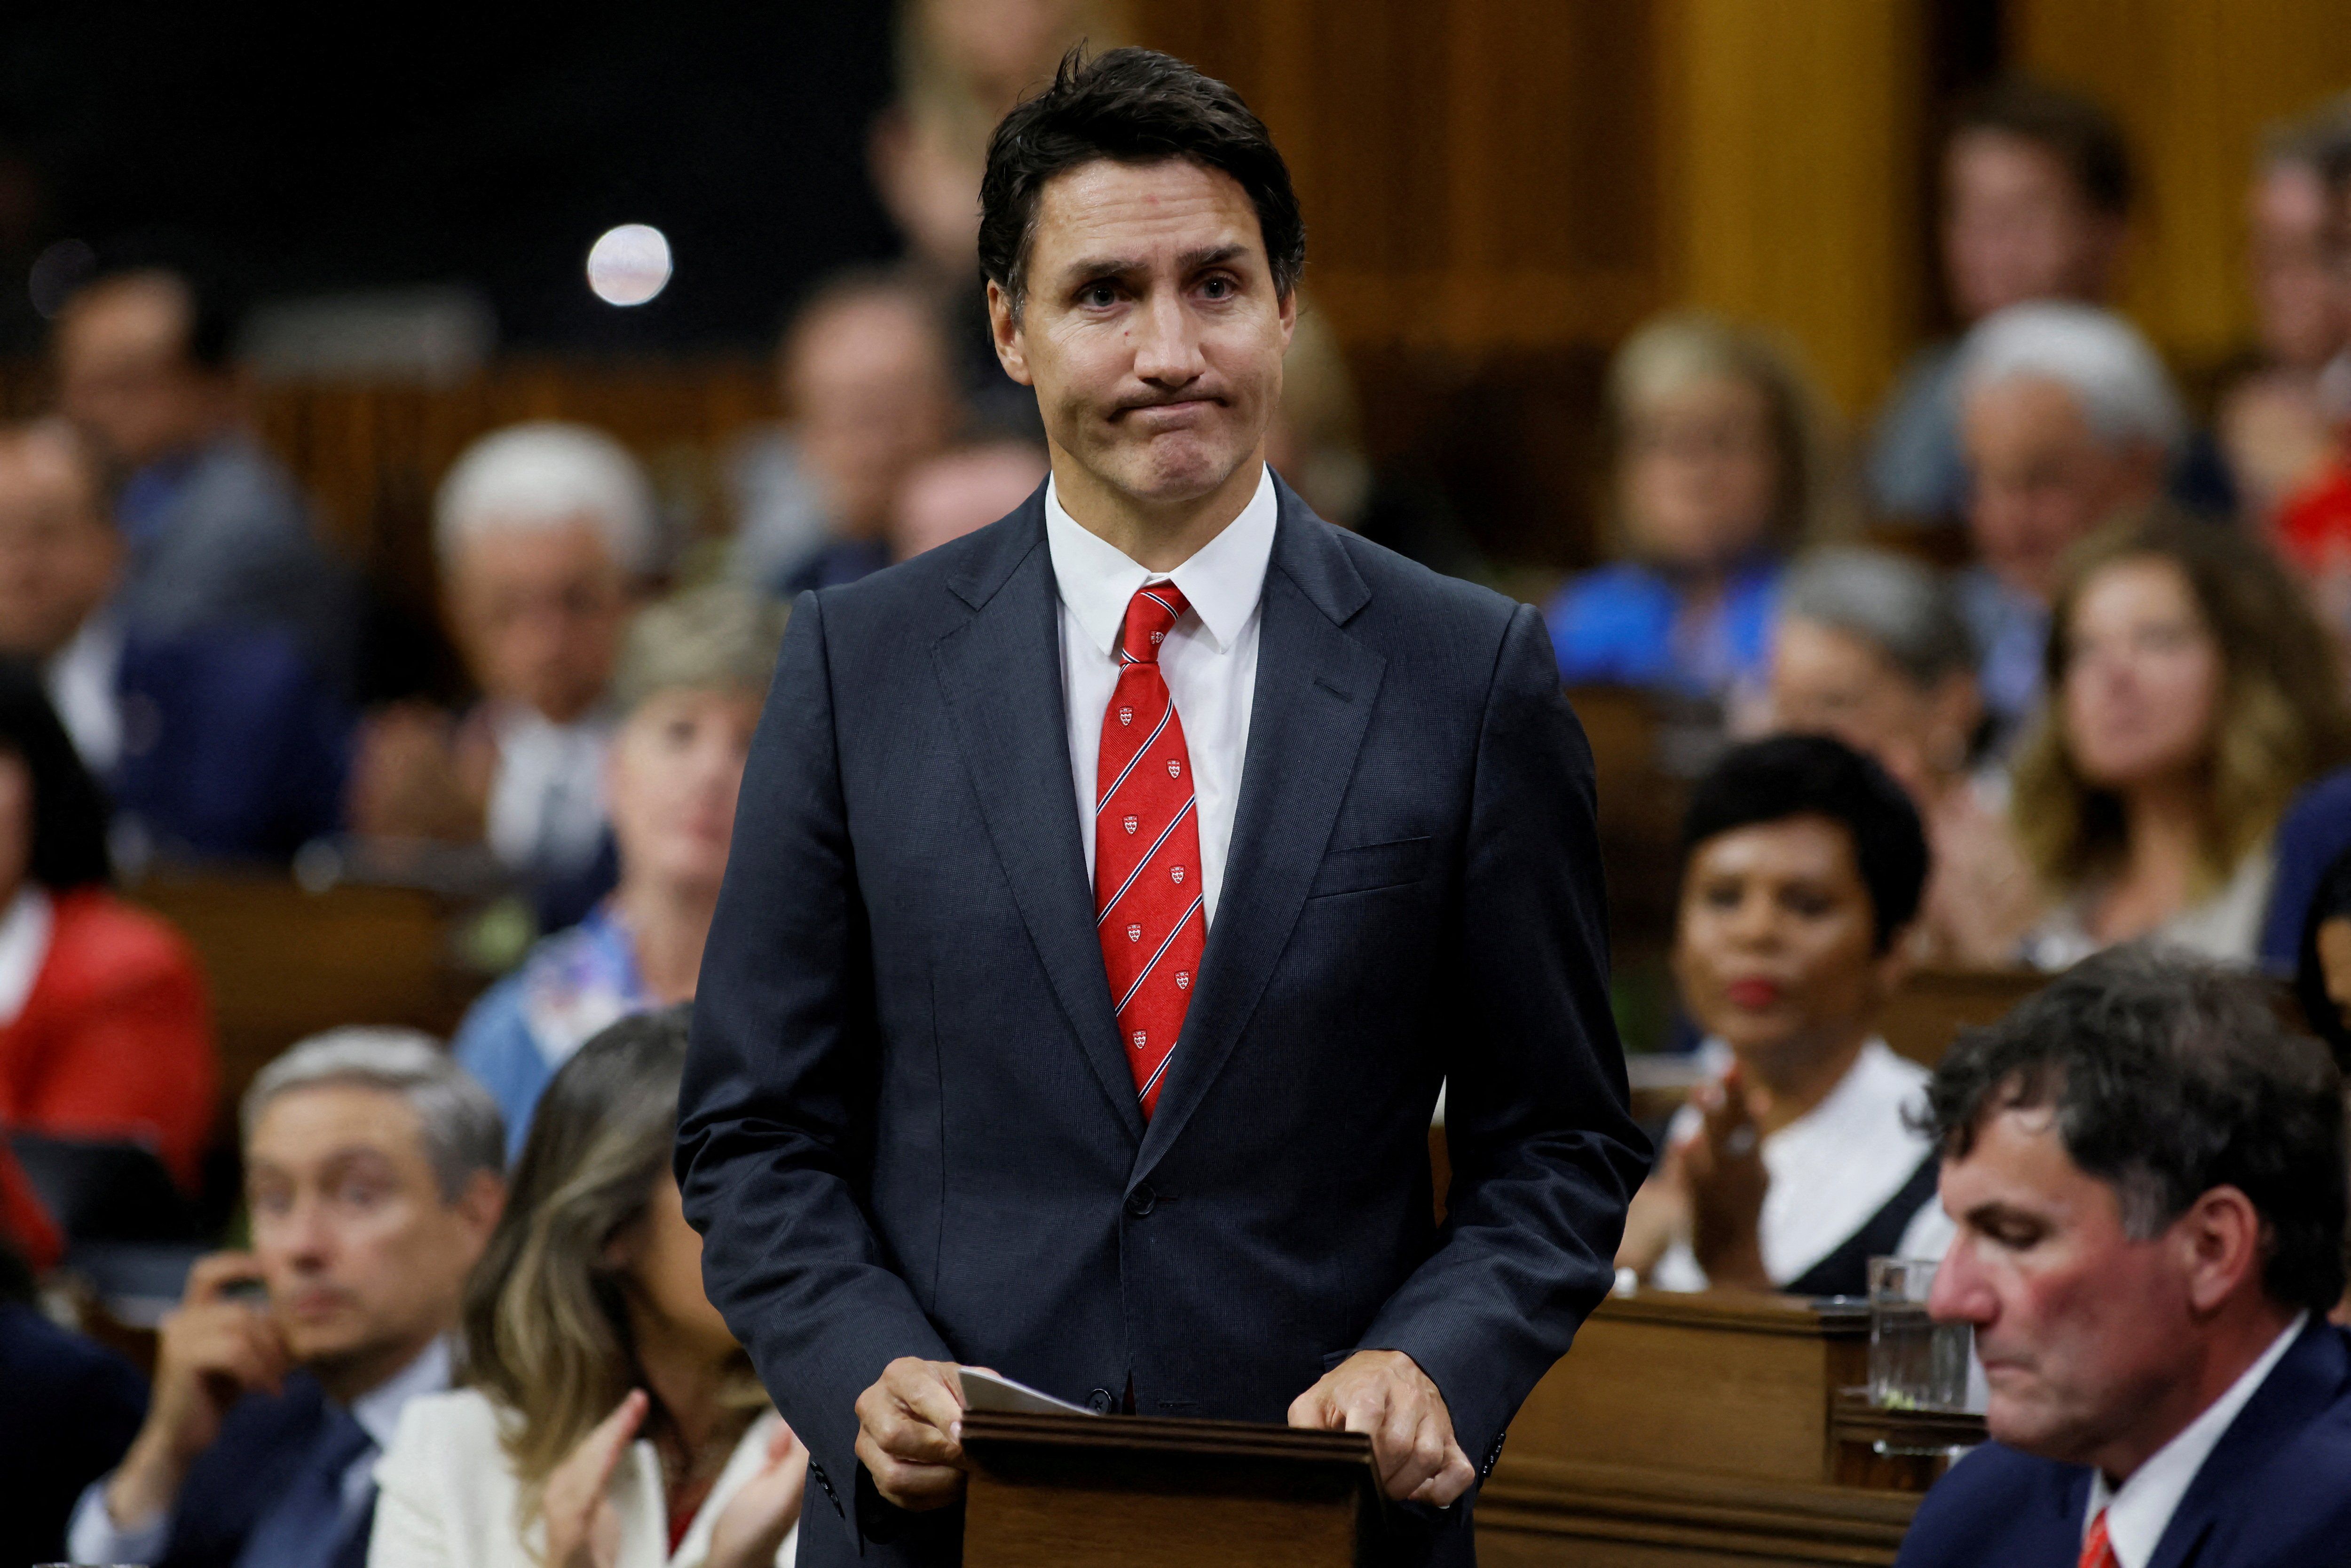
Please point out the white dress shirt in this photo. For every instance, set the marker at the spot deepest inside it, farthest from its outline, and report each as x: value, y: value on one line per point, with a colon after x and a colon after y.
x: 82, y: 678
x: 94, y: 1537
x: 1209, y: 660
x: 547, y: 797
x: 1831, y: 1169
x: 2140, y: 1511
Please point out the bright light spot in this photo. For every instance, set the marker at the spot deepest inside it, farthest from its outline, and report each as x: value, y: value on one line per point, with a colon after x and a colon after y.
x: 629, y: 265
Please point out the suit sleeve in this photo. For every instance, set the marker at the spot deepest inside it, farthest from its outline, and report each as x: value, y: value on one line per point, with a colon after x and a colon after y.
x: 776, y: 1114
x: 1544, y: 1150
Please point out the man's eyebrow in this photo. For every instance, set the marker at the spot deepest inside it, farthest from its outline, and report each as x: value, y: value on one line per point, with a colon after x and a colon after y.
x: 1125, y: 266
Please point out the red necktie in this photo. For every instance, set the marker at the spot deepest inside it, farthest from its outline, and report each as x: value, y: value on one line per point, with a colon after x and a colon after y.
x: 1147, y: 848
x: 2097, y: 1552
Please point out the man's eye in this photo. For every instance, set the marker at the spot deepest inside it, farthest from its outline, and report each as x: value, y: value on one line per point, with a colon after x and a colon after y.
x: 1218, y: 288
x: 1097, y: 295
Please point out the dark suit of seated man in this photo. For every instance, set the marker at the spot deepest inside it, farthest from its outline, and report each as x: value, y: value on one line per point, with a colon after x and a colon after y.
x: 216, y: 741
x: 372, y: 1175
x: 2147, y: 1171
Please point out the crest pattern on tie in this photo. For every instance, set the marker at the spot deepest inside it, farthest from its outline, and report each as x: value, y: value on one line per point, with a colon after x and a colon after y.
x: 1147, y: 906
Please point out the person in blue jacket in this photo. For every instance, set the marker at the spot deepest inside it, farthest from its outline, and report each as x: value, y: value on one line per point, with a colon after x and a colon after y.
x: 1717, y: 479
x: 691, y: 677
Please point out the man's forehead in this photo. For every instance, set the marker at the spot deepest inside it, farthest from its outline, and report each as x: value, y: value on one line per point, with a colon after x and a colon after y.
x: 321, y: 1121
x: 1106, y: 210
x: 2017, y: 1158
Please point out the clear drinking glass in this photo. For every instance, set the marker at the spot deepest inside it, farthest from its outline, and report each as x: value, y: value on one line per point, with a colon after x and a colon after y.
x: 1915, y: 1363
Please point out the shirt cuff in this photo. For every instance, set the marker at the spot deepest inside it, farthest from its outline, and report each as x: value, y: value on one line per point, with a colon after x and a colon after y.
x: 94, y: 1537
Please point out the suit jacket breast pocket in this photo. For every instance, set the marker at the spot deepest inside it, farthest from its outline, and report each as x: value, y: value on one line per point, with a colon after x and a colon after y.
x: 1367, y: 868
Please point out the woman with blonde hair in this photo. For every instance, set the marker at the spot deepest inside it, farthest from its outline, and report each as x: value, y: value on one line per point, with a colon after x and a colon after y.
x: 2192, y: 692
x: 1717, y: 480
x: 612, y: 1420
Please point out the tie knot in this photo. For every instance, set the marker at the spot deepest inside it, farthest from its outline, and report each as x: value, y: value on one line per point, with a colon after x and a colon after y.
x: 1150, y: 614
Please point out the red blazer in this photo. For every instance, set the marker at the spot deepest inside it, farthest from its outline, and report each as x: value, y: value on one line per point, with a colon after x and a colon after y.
x: 116, y: 1037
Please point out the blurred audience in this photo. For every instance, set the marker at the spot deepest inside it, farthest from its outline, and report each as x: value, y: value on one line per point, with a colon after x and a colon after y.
x: 2322, y: 976
x: 2036, y: 202
x: 215, y: 528
x: 106, y: 1032
x: 2314, y: 522
x: 1803, y: 862
x: 372, y: 1178
x: 2068, y: 418
x: 68, y: 1411
x: 1870, y: 647
x: 609, y: 1416
x: 2147, y: 1173
x: 1718, y: 478
x: 867, y: 395
x: 2192, y: 693
x: 216, y: 741
x: 692, y: 678
x: 545, y: 532
x: 963, y: 488
x: 2276, y: 428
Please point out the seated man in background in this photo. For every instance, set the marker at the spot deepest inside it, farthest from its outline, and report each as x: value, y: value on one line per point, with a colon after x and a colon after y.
x: 215, y: 529
x: 2068, y: 418
x: 1802, y: 863
x: 868, y: 393
x: 691, y: 678
x: 968, y: 488
x: 545, y: 532
x: 372, y: 1174
x: 219, y: 740
x: 2147, y: 1172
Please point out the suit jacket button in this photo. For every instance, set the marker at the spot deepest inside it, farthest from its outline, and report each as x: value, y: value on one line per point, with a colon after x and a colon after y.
x: 1100, y: 1401
x: 1142, y: 1200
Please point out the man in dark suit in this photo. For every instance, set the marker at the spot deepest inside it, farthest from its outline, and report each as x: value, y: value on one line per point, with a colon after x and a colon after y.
x: 373, y: 1176
x: 1114, y: 888
x: 2146, y: 1170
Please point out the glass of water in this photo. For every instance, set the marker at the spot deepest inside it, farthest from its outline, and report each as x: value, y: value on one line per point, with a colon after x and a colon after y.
x: 1915, y: 1363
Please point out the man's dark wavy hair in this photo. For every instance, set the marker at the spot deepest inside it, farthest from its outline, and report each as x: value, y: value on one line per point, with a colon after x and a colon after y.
x: 1131, y: 106
x: 2169, y: 1075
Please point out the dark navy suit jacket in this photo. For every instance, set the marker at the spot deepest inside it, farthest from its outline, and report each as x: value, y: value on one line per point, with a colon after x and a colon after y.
x: 231, y: 745
x: 2276, y: 1493
x: 908, y: 1127
x: 262, y: 1447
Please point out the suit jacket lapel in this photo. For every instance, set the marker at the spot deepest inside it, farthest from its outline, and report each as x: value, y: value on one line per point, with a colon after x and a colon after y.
x: 2306, y: 1382
x: 1002, y: 677
x: 1315, y: 687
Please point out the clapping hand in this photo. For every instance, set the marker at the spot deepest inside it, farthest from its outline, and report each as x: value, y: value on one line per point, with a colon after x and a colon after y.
x: 1722, y: 1168
x: 752, y: 1529
x: 582, y: 1530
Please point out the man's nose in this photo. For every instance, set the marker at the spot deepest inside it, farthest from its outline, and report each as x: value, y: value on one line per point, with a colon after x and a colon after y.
x: 1167, y: 341
x: 1960, y: 1294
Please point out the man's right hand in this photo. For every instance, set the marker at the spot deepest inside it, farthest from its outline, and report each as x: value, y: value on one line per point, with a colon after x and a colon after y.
x: 213, y: 1348
x: 909, y: 1432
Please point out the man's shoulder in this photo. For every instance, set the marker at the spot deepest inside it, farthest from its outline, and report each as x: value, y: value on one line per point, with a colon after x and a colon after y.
x: 1401, y: 586
x: 1993, y: 1506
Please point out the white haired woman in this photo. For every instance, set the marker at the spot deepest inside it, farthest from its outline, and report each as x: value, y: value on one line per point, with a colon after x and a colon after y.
x: 691, y: 679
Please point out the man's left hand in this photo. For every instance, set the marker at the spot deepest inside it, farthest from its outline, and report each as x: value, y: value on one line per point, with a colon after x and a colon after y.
x: 1384, y: 1394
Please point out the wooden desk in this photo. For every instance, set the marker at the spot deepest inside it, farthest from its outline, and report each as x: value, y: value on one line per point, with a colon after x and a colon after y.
x: 1703, y: 1431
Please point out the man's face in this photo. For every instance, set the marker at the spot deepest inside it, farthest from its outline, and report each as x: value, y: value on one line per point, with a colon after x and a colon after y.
x: 362, y: 1256
x: 2080, y: 1327
x: 1152, y: 331
x: 867, y: 383
x: 125, y: 375
x: 2297, y: 303
x: 2039, y: 479
x: 540, y: 612
x: 2015, y: 227
x: 57, y: 555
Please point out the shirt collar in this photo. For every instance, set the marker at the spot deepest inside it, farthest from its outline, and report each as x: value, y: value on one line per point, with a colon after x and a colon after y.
x: 378, y: 1410
x: 2140, y: 1510
x: 1223, y: 580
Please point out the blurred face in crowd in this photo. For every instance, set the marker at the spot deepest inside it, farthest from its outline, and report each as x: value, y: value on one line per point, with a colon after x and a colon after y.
x: 1002, y: 47
x: 539, y: 612
x: 58, y: 553
x: 1827, y: 681
x: 2143, y: 675
x: 2081, y: 1330
x: 2298, y: 304
x: 660, y: 1261
x: 2017, y: 228
x: 1701, y: 474
x: 124, y: 374
x: 1775, y: 945
x: 957, y: 492
x: 1151, y: 329
x: 362, y: 1256
x: 866, y: 378
x: 675, y: 769
x: 2040, y: 478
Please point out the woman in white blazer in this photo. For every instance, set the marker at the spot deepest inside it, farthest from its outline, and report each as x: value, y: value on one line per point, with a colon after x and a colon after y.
x: 610, y: 1421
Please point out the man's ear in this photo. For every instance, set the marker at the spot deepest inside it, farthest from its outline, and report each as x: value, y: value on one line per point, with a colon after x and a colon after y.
x: 2222, y: 1242
x: 479, y: 1205
x: 1004, y: 330
x: 1289, y: 310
